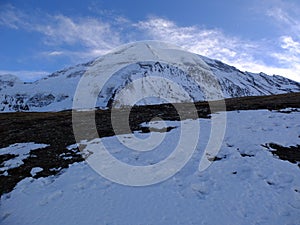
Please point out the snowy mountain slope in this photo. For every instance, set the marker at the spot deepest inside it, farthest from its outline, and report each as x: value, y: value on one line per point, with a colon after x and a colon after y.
x: 235, y: 83
x: 52, y: 93
x: 8, y: 80
x: 55, y: 92
x: 245, y: 185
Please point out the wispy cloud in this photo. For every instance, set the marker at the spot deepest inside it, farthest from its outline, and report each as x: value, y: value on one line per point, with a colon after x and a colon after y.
x: 87, y: 32
x: 55, y: 53
x: 90, y: 33
x: 286, y: 17
x: 291, y: 51
x: 11, y: 17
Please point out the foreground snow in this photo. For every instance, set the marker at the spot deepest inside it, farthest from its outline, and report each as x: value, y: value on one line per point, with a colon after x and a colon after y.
x: 248, y: 185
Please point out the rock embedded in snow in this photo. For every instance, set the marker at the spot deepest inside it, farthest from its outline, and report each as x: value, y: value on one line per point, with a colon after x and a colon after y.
x: 35, y: 170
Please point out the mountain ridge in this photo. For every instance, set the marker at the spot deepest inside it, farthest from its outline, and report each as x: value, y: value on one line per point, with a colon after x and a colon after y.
x: 55, y: 92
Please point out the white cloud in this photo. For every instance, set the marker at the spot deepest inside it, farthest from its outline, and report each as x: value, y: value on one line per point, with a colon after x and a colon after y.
x: 203, y: 41
x: 88, y: 32
x: 291, y: 45
x: 55, y: 53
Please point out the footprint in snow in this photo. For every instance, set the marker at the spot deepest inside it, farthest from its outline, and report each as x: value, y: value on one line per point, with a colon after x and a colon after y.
x: 52, y: 197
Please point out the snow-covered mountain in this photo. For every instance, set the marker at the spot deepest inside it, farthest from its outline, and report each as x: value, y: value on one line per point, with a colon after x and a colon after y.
x: 56, y: 91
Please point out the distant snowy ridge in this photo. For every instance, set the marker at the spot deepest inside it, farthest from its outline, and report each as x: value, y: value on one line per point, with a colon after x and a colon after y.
x: 55, y: 92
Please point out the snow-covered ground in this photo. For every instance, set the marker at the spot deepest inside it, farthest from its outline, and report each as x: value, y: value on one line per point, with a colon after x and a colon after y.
x: 248, y: 185
x: 21, y: 152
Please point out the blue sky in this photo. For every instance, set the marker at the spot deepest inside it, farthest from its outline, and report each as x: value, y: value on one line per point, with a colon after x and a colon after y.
x: 40, y: 37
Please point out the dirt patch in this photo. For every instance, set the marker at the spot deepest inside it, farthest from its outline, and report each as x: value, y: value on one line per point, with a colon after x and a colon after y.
x: 291, y: 153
